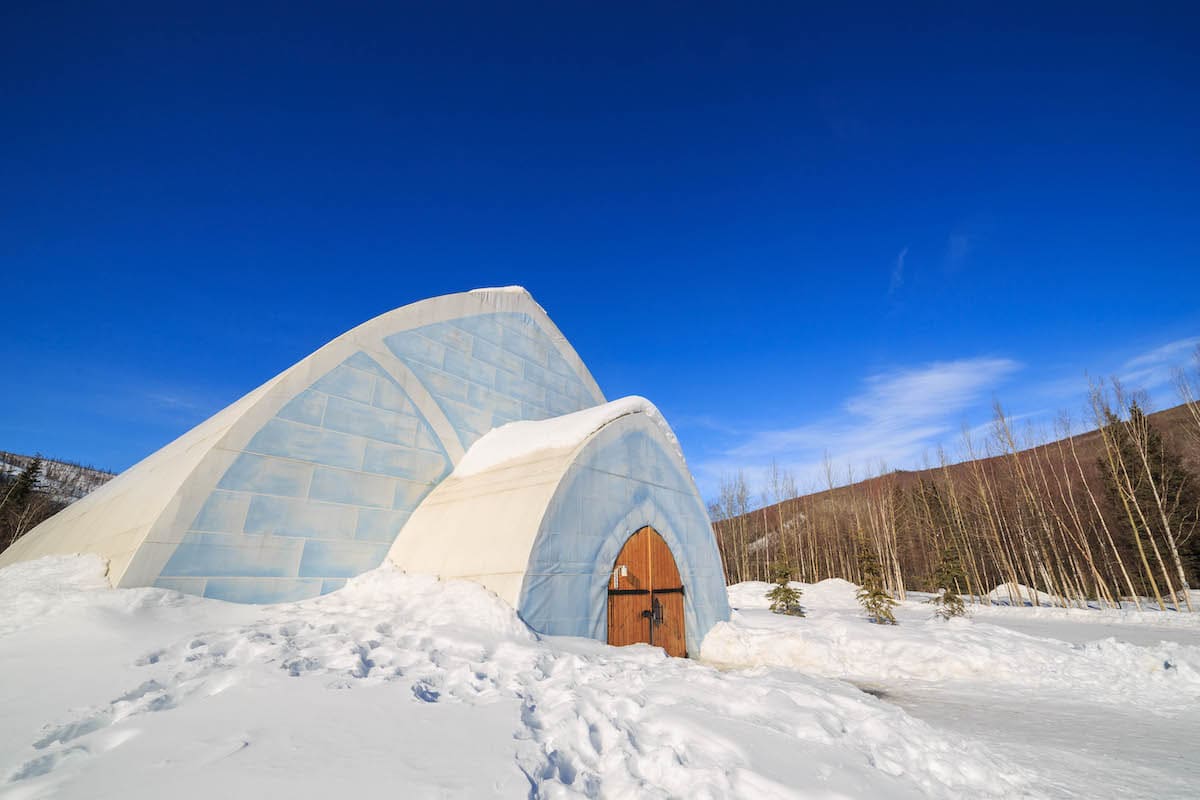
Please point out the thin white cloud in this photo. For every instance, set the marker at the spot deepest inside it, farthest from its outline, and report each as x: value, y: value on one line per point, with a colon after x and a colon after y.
x: 929, y: 391
x: 899, y: 417
x: 1172, y: 351
x: 1155, y: 368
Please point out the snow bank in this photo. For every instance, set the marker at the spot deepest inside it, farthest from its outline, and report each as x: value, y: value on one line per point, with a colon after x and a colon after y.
x: 403, y: 680
x: 1018, y: 594
x: 1148, y: 616
x: 836, y: 641
x: 518, y: 440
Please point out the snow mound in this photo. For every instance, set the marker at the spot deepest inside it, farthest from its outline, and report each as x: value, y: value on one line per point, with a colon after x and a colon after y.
x: 518, y: 440
x: 1021, y: 595
x: 53, y: 576
x: 423, y: 600
x: 752, y: 594
x: 397, y: 674
x: 829, y: 593
x: 832, y: 593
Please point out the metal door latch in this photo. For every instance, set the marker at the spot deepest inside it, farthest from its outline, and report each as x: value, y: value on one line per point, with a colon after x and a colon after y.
x: 654, y: 613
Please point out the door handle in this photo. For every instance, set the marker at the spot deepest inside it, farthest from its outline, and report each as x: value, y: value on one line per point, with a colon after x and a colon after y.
x: 655, y: 615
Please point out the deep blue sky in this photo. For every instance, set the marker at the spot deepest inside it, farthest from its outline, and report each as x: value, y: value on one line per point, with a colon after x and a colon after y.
x: 794, y: 230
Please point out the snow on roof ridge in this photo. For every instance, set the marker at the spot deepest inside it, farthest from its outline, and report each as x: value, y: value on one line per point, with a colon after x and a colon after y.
x: 514, y: 289
x: 517, y: 440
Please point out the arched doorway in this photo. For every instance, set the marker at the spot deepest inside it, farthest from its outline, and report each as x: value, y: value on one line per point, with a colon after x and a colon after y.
x: 645, y: 595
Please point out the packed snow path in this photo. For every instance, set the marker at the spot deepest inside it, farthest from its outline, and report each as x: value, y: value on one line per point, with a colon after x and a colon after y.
x: 425, y: 688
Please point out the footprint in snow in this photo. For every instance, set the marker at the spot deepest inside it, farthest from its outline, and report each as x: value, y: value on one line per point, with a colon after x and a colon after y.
x: 47, y: 763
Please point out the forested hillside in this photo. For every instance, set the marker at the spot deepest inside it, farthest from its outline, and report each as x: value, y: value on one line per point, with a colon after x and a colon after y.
x: 1110, y: 513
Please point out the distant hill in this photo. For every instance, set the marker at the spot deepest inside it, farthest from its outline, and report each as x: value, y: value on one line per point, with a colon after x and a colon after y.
x: 1048, y: 516
x: 1176, y: 425
x: 64, y: 481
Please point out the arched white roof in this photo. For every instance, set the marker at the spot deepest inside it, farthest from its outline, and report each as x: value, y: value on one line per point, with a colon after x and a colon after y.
x: 307, y: 479
x: 538, y: 511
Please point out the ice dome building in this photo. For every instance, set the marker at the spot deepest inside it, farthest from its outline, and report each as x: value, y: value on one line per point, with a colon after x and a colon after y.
x: 460, y: 436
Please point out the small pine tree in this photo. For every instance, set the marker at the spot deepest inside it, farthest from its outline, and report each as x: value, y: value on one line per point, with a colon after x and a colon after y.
x: 872, y: 596
x: 785, y: 598
x: 947, y: 578
x: 25, y: 483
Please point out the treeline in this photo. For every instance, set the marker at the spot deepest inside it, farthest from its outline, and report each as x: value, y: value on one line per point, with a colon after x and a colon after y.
x: 1107, y: 515
x: 32, y: 489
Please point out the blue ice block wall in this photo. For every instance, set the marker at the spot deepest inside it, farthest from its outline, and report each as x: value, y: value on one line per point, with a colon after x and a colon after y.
x: 317, y: 495
x: 322, y: 490
x: 490, y: 369
x: 625, y: 479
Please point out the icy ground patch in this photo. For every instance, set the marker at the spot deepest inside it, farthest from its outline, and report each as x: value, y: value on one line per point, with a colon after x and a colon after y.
x: 1099, y: 703
x: 420, y: 688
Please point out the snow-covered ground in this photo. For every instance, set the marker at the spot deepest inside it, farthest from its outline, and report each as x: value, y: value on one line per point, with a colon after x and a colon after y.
x: 1096, y: 703
x: 413, y: 687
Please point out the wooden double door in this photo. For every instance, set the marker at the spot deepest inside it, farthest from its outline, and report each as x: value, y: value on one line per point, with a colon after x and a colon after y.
x: 645, y: 595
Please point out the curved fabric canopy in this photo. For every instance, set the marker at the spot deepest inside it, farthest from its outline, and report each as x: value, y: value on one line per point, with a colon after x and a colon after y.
x: 538, y: 512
